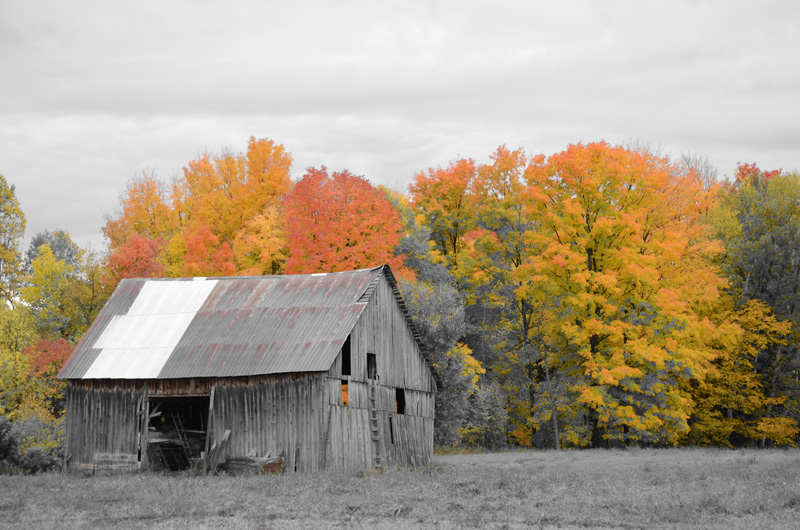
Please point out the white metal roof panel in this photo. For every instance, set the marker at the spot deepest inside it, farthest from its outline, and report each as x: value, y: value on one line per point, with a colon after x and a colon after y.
x: 128, y: 363
x: 166, y: 298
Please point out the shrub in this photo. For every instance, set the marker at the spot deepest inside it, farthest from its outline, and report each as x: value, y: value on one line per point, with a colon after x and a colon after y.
x: 32, y: 444
x: 8, y: 446
x: 41, y: 443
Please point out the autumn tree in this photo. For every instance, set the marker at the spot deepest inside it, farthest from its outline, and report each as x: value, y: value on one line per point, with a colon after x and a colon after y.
x: 339, y: 222
x: 420, y: 259
x: 136, y: 258
x: 759, y: 224
x: 17, y: 390
x: 45, y: 359
x: 438, y: 314
x: 87, y: 293
x: 219, y: 217
x: 501, y: 323
x: 731, y: 407
x: 620, y: 253
x: 12, y: 228
x: 229, y: 198
x: 260, y: 245
x: 60, y: 244
x: 45, y: 294
x: 146, y: 210
x: 445, y: 196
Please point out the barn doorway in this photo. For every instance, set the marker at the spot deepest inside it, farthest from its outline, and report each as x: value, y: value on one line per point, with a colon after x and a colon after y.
x: 176, y: 436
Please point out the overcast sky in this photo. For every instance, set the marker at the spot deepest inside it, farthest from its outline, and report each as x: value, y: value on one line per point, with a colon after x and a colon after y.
x: 94, y: 93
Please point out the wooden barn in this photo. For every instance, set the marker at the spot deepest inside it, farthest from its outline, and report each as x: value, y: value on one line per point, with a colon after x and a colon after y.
x: 325, y: 370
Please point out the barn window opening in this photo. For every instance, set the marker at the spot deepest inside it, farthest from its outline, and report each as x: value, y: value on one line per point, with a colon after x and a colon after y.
x: 372, y: 366
x: 346, y: 370
x: 391, y: 430
x: 176, y: 434
x: 400, y: 401
x: 345, y: 394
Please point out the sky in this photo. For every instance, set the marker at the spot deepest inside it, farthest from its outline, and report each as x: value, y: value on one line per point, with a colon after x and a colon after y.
x: 94, y: 93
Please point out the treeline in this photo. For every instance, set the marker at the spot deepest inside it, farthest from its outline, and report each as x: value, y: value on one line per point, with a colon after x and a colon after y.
x: 600, y: 296
x: 49, y: 295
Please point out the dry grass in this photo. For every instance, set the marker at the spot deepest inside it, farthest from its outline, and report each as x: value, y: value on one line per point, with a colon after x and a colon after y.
x: 647, y: 489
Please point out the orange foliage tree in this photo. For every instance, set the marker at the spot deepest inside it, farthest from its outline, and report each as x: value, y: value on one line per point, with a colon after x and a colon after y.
x: 339, y: 222
x: 209, y: 222
x: 146, y: 210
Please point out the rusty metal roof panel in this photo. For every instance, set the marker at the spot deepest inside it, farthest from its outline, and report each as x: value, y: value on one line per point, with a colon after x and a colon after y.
x: 261, y: 341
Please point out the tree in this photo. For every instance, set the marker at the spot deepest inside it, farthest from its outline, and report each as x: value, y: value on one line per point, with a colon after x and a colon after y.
x: 198, y: 223
x: 206, y: 255
x: 260, y: 246
x: 500, y: 323
x: 45, y: 359
x: 438, y: 314
x: 145, y: 210
x: 700, y: 167
x: 220, y: 195
x: 420, y: 259
x: 339, y: 222
x: 45, y: 295
x: 731, y: 405
x: 61, y: 245
x: 621, y: 252
x: 87, y: 293
x: 17, y: 390
x: 759, y: 224
x: 12, y: 228
x: 445, y: 195
x: 137, y: 258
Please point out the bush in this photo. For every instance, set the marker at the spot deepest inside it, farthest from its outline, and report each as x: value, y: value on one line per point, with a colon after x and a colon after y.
x: 8, y: 446
x: 31, y: 445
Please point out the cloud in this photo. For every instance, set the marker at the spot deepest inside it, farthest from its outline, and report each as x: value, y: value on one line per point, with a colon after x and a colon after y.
x: 95, y: 93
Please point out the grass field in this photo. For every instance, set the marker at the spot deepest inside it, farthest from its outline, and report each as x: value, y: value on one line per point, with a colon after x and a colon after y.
x: 647, y: 489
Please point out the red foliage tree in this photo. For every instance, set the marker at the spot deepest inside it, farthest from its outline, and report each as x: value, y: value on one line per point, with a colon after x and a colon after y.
x: 137, y: 258
x: 47, y: 358
x: 339, y: 222
x: 751, y: 173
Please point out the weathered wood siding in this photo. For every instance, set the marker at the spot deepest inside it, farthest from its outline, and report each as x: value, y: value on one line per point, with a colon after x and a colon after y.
x: 404, y: 439
x: 280, y: 413
x: 104, y: 424
x: 383, y: 330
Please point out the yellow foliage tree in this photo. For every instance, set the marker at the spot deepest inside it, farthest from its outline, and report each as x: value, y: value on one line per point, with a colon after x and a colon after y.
x: 620, y: 253
x: 730, y: 402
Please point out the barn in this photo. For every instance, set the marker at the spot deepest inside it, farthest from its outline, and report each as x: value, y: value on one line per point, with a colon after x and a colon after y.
x: 325, y: 370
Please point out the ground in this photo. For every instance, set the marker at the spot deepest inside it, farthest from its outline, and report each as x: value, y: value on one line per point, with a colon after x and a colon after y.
x: 626, y: 489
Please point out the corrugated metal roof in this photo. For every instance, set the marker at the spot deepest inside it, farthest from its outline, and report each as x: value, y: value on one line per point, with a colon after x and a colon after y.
x: 171, y: 328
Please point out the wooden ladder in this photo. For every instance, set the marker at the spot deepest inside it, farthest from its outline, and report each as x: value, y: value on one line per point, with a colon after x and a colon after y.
x: 176, y: 420
x: 375, y: 428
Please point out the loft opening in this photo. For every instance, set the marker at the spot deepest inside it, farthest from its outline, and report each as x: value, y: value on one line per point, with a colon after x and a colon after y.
x: 176, y: 434
x: 346, y: 365
x: 372, y: 366
x: 400, y: 401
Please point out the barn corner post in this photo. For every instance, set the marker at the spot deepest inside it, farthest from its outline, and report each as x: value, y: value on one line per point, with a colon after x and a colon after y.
x: 143, y: 413
x: 209, y: 431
